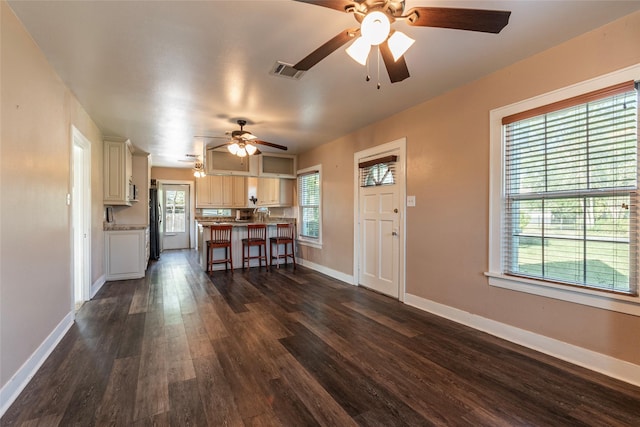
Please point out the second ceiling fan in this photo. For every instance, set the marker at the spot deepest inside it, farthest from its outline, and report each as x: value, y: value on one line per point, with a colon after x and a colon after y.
x: 376, y: 17
x: 242, y: 142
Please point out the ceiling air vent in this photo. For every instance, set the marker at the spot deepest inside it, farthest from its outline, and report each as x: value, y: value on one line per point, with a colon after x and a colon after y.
x: 286, y: 70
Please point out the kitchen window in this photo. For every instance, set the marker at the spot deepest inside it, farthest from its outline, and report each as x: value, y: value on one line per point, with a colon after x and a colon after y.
x: 567, y: 213
x: 309, y: 201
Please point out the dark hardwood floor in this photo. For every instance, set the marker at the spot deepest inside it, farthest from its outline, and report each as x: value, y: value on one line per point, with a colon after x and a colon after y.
x: 296, y: 348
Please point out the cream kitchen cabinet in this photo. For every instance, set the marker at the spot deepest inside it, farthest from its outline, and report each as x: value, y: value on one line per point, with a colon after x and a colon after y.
x: 277, y: 165
x: 118, y: 172
x: 225, y: 163
x: 215, y: 191
x: 275, y: 192
x: 126, y: 252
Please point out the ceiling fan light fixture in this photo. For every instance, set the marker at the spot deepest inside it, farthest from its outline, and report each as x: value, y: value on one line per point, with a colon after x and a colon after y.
x: 233, y: 148
x: 359, y: 50
x: 375, y: 27
x: 242, y: 152
x: 399, y: 43
x: 250, y: 148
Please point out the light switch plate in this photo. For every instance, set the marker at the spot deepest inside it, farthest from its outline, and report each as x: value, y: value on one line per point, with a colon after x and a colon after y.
x: 411, y: 201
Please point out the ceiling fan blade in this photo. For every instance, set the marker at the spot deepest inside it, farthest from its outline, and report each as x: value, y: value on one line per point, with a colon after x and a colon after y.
x: 211, y: 137
x: 397, y: 70
x: 257, y: 152
x: 486, y: 21
x: 340, y: 5
x: 326, y: 49
x: 217, y: 146
x: 269, y: 144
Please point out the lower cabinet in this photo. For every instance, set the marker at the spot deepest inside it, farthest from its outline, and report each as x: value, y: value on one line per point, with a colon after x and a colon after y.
x: 125, y: 254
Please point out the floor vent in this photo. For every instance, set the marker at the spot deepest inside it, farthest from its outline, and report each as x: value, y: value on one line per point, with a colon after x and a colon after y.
x: 286, y: 70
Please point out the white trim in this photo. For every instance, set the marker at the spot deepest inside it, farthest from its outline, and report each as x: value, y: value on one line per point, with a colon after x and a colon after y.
x: 78, y: 139
x: 584, y: 296
x: 613, y: 302
x: 21, y: 378
x: 338, y: 275
x: 307, y: 241
x: 607, y: 365
x: 97, y: 285
x: 399, y: 145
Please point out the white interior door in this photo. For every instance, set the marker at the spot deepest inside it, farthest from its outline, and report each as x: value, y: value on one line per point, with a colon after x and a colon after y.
x: 379, y: 220
x: 175, y: 216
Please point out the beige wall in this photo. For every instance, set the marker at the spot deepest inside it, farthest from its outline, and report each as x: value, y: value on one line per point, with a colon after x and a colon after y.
x: 172, y: 174
x: 35, y: 231
x: 448, y: 172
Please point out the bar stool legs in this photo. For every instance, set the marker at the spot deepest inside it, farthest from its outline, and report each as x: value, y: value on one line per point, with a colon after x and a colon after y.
x: 256, y: 236
x: 285, y: 235
x: 220, y: 238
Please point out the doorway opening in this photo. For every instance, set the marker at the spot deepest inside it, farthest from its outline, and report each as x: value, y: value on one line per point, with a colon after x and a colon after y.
x: 81, y: 218
x: 176, y: 216
x: 379, y: 218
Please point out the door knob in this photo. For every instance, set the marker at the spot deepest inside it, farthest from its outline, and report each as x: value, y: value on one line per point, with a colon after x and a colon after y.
x: 394, y: 233
x: 395, y: 210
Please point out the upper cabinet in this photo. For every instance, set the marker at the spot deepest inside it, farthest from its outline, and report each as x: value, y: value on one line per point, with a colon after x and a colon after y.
x: 118, y: 176
x: 266, y: 165
x: 277, y: 165
x: 225, y: 163
x: 221, y: 192
x: 275, y: 192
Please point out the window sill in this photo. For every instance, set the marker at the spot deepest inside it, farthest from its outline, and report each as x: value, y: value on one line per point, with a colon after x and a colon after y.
x: 608, y: 301
x: 310, y: 243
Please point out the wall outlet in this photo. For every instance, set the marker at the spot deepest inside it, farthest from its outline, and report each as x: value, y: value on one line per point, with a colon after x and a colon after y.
x: 411, y: 201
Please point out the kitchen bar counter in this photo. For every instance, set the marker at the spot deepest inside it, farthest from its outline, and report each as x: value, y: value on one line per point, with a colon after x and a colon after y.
x: 123, y: 227
x: 239, y: 232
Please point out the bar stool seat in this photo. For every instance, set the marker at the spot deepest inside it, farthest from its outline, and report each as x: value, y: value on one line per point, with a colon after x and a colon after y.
x: 256, y: 236
x: 285, y: 235
x: 220, y: 238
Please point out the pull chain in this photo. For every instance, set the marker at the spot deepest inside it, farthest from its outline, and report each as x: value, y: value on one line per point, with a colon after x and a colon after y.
x: 378, y: 67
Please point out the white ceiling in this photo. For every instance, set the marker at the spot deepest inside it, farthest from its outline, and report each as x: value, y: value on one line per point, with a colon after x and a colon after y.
x: 160, y: 72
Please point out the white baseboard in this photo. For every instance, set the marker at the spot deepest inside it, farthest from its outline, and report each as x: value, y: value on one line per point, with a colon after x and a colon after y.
x: 607, y: 365
x: 338, y: 275
x: 97, y: 285
x: 21, y: 378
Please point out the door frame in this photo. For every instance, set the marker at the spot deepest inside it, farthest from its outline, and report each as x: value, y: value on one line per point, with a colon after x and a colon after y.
x: 192, y: 213
x: 399, y: 145
x: 80, y: 141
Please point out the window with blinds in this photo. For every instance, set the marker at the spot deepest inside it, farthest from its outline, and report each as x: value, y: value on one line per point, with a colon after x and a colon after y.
x: 378, y: 171
x: 571, y: 191
x: 309, y: 203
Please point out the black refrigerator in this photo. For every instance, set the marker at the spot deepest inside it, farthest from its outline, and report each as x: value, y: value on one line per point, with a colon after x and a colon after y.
x: 155, y: 218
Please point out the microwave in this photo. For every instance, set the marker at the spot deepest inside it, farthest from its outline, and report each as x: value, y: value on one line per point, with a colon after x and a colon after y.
x: 133, y: 192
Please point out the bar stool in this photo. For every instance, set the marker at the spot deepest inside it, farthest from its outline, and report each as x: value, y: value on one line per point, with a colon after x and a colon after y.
x: 285, y: 234
x: 220, y: 238
x: 256, y: 236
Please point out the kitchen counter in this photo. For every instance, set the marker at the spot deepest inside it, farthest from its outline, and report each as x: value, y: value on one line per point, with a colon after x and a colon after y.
x: 237, y: 235
x: 123, y: 227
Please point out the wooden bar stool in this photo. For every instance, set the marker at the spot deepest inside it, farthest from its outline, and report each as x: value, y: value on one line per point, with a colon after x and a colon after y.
x: 220, y: 238
x: 256, y: 236
x: 285, y: 235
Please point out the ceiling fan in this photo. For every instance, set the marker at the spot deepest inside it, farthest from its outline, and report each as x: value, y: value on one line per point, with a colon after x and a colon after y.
x: 376, y: 17
x: 242, y: 142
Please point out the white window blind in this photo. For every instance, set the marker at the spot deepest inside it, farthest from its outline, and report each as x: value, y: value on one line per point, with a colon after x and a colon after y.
x: 571, y: 191
x: 378, y: 171
x: 309, y: 195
